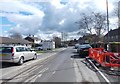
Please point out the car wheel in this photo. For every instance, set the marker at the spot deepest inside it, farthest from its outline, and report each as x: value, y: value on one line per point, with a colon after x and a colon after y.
x: 21, y: 61
x: 35, y: 57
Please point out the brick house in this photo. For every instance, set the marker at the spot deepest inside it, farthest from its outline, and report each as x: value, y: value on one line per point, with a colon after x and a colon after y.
x: 114, y: 36
x: 114, y: 39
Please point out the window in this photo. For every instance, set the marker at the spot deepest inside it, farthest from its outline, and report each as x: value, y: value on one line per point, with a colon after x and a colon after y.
x: 27, y: 49
x: 6, y: 49
x: 20, y: 49
x: 116, y: 36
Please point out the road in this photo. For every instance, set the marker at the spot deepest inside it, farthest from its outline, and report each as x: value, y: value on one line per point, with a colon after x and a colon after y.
x: 59, y: 66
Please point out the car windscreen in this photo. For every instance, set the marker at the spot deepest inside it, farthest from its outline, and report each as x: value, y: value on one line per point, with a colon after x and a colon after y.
x: 85, y: 46
x: 5, y: 49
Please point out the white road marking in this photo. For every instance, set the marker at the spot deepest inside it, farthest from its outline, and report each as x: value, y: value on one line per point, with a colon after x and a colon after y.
x: 33, y: 80
x: 30, y: 78
x: 71, y: 58
x: 43, y: 70
x: 39, y: 75
x: 54, y: 72
x: 100, y: 73
x: 31, y: 70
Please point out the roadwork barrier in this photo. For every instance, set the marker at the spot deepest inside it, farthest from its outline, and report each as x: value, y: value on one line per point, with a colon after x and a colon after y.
x: 104, y: 58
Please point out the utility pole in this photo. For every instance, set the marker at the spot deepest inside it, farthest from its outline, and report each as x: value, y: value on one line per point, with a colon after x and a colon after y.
x: 118, y: 14
x: 107, y: 23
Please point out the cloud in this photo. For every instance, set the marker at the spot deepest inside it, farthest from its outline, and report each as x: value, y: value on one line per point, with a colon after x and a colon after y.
x: 47, y: 18
x: 26, y: 24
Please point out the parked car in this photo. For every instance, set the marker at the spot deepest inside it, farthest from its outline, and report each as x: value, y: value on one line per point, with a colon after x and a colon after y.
x: 16, y: 54
x: 39, y: 48
x: 78, y: 49
x: 83, y: 50
x: 76, y: 45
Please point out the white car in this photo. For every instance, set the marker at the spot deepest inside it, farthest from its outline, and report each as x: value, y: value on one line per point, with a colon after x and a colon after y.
x: 16, y: 54
x: 39, y: 48
x: 76, y: 46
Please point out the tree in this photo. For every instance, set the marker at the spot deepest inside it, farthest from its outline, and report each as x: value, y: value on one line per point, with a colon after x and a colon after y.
x: 93, y: 22
x: 99, y: 23
x: 116, y: 12
x: 85, y: 24
x: 16, y: 36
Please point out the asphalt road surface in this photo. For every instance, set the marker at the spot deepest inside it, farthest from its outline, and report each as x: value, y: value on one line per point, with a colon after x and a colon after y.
x: 59, y: 66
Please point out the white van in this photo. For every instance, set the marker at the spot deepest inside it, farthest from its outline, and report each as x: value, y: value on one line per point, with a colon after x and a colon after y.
x: 16, y: 54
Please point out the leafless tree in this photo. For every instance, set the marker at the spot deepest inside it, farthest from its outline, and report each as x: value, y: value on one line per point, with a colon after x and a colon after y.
x: 93, y: 22
x: 99, y: 23
x: 85, y: 24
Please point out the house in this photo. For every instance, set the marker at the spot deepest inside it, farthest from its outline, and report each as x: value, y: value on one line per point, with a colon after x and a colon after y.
x: 10, y: 41
x: 90, y: 38
x: 34, y: 40
x: 114, y: 36
x: 114, y: 40
x: 48, y: 45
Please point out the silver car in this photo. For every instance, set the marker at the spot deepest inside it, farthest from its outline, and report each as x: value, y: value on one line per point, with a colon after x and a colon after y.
x: 16, y: 54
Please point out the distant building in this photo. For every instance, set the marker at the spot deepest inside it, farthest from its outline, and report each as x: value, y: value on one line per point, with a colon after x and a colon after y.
x: 114, y: 40
x: 57, y: 41
x: 114, y: 36
x: 91, y: 38
x: 72, y: 42
x: 10, y: 41
x: 47, y: 45
x: 34, y: 40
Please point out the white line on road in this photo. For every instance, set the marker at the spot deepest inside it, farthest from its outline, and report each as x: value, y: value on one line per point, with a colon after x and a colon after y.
x: 39, y: 75
x: 54, y: 72
x: 30, y: 78
x: 100, y: 73
x: 32, y: 69
x: 43, y: 70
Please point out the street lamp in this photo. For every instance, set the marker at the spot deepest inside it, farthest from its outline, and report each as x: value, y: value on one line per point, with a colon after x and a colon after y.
x: 107, y: 23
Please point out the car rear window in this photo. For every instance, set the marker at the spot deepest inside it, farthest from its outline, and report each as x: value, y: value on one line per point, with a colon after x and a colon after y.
x: 85, y: 46
x: 6, y: 49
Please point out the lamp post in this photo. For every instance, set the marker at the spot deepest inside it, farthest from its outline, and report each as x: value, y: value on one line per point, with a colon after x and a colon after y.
x: 118, y: 14
x: 107, y: 24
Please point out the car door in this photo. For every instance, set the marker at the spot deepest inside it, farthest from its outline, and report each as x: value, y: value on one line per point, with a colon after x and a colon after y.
x: 29, y: 53
x: 32, y: 53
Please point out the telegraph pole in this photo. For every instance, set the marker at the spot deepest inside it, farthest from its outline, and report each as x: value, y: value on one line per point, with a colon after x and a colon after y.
x: 107, y: 23
x: 118, y: 14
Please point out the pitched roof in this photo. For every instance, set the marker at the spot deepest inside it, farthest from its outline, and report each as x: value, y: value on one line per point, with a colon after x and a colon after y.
x: 114, y: 32
x: 7, y: 40
x: 34, y: 38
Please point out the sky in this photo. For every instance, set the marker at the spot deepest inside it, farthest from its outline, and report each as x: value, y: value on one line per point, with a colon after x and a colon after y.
x: 48, y: 18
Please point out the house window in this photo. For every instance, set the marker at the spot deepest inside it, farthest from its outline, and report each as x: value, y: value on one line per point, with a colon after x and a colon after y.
x: 112, y: 37
x: 116, y: 36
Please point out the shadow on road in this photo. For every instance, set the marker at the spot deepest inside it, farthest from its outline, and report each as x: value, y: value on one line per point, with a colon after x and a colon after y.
x: 10, y: 64
x: 75, y: 56
x: 75, y: 52
x: 7, y: 64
